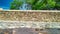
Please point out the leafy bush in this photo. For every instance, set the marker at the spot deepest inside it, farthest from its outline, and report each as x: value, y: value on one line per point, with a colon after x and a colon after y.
x: 16, y: 4
x: 38, y: 4
x: 42, y: 4
x: 58, y: 4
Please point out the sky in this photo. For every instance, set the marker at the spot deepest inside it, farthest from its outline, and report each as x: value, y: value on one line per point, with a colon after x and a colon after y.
x: 5, y: 4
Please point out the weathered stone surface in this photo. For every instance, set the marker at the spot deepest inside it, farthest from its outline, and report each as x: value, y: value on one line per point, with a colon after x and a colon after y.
x: 36, y: 18
x: 30, y: 16
x: 18, y: 24
x: 29, y: 31
x: 28, y: 24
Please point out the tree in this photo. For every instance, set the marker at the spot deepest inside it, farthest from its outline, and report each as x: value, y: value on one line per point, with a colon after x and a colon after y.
x: 51, y: 4
x: 16, y: 4
x: 41, y: 4
x: 37, y: 4
x: 58, y: 4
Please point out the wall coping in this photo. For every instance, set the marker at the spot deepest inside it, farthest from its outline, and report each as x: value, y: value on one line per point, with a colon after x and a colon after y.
x: 34, y: 10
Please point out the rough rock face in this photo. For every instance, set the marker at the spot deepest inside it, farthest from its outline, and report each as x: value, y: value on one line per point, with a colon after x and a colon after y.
x: 36, y: 17
x: 30, y: 16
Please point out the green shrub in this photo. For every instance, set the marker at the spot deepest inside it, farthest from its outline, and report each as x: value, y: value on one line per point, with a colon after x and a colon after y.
x: 42, y: 4
x: 58, y: 4
x: 16, y: 4
x: 37, y: 4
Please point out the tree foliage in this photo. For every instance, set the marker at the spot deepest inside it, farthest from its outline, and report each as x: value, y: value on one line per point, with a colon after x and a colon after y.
x: 58, y: 4
x: 42, y: 4
x: 38, y: 4
x: 16, y: 4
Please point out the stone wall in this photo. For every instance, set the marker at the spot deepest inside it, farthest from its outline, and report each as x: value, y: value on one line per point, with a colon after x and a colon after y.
x: 30, y: 16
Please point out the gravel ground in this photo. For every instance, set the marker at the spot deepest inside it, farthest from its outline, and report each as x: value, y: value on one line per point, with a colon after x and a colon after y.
x: 30, y: 31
